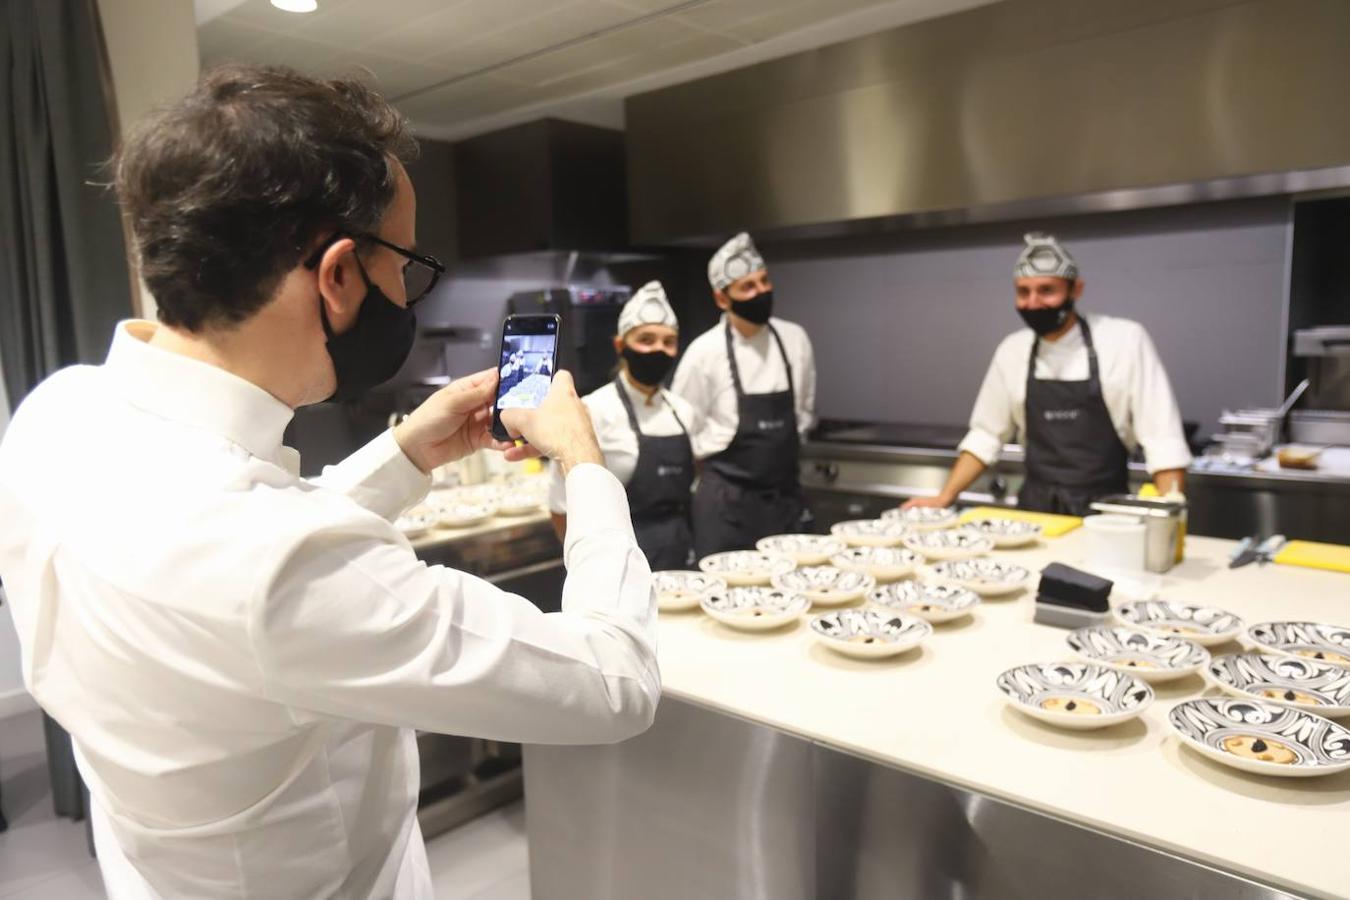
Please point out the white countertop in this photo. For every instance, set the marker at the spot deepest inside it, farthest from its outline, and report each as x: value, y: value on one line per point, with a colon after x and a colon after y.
x: 935, y: 711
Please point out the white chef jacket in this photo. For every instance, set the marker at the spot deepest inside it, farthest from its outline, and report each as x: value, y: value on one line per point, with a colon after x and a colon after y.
x: 655, y: 416
x: 241, y: 655
x: 704, y: 377
x: 1138, y: 395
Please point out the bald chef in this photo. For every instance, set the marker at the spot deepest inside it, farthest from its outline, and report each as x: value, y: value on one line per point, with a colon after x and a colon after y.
x: 752, y: 378
x: 644, y: 432
x: 1081, y: 390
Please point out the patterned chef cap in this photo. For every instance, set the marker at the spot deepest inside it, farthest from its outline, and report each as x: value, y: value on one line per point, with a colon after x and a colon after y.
x: 737, y: 259
x: 1044, y: 256
x: 648, y: 306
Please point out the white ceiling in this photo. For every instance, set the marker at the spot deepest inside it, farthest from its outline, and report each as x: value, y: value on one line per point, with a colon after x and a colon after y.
x: 461, y: 67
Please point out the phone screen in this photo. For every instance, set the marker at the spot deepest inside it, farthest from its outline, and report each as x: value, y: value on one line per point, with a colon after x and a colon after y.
x: 525, y: 369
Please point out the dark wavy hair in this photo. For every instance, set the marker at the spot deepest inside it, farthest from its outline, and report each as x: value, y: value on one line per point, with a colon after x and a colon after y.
x: 227, y: 187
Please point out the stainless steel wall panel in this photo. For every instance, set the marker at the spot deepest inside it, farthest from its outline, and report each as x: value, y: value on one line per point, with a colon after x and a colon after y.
x: 1003, y: 108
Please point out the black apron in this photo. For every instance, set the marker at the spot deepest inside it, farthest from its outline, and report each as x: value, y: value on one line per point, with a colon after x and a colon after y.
x: 1073, y: 453
x: 658, y: 492
x: 750, y: 490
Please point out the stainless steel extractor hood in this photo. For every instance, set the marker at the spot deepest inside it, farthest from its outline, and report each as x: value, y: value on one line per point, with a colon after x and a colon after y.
x: 1026, y: 107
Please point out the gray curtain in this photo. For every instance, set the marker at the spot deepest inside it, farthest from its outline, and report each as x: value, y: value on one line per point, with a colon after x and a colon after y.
x: 63, y: 270
x: 64, y: 282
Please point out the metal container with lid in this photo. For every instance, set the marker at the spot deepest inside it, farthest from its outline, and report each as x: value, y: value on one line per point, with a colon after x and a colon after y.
x: 1164, y: 526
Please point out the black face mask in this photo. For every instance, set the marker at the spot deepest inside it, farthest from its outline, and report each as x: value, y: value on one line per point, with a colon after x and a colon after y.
x: 648, y: 369
x: 1047, y: 321
x: 756, y: 310
x: 375, y: 347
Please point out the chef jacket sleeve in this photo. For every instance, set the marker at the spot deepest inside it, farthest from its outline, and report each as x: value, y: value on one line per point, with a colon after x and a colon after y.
x: 1153, y: 409
x: 379, y: 476
x: 357, y: 627
x: 806, y: 412
x: 991, y: 420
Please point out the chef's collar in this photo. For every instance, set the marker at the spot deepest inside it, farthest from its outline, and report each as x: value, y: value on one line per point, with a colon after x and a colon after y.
x: 195, y: 393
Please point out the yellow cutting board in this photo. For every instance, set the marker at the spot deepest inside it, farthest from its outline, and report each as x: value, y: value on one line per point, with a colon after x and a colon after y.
x: 1313, y: 555
x: 1051, y: 525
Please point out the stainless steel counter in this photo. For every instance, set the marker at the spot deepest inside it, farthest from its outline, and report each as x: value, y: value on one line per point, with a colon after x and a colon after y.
x: 843, y: 478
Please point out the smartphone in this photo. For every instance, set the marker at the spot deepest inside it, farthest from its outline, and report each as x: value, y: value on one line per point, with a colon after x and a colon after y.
x: 525, y: 369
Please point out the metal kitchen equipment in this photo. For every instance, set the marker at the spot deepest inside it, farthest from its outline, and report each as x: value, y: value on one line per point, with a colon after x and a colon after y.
x: 1324, y: 354
x: 590, y: 316
x: 1164, y: 524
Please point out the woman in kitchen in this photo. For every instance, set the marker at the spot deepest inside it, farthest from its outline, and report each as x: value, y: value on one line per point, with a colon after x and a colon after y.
x: 644, y: 432
x: 1080, y: 390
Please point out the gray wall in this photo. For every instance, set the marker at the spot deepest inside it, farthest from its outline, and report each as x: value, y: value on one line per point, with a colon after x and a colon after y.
x: 904, y: 325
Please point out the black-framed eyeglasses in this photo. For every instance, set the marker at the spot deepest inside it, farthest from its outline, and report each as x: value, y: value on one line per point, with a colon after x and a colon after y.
x: 420, y: 272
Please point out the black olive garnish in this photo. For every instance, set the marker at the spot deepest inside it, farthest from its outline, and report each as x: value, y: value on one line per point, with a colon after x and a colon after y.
x: 1259, y: 746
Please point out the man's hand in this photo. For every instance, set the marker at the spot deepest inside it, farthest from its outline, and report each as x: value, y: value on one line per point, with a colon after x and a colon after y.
x: 559, y: 429
x: 938, y: 502
x: 452, y: 423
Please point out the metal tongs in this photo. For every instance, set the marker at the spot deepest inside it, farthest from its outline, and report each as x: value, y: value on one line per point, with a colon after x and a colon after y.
x: 1254, y: 550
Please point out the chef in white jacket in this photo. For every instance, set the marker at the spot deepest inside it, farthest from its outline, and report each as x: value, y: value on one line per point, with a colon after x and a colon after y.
x: 241, y: 655
x: 752, y: 379
x: 1079, y: 390
x: 645, y: 432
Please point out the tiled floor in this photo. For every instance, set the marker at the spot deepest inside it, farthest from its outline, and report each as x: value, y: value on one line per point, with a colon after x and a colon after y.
x: 42, y: 857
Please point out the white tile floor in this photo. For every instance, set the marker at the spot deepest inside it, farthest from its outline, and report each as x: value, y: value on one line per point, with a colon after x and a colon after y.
x: 42, y: 857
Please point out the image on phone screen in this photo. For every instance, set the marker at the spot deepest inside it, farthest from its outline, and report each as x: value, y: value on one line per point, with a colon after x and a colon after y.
x: 529, y: 357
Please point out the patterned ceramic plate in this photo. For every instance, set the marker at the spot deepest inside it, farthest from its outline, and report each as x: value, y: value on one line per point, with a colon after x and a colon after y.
x: 870, y: 633
x: 1305, y: 684
x: 870, y: 532
x: 949, y: 544
x: 462, y: 515
x: 1262, y: 737
x: 825, y: 585
x: 1152, y: 657
x: 924, y: 518
x: 933, y: 602
x: 755, y: 608
x: 987, y: 577
x: 1203, y: 624
x: 804, y: 549
x: 1080, y: 696
x: 1005, y: 533
x: 676, y: 589
x: 746, y: 567
x: 882, y: 563
x: 1311, y: 640
x: 416, y: 522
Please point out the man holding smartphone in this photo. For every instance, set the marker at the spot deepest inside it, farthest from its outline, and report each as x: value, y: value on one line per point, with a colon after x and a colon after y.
x: 752, y: 380
x: 240, y: 655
